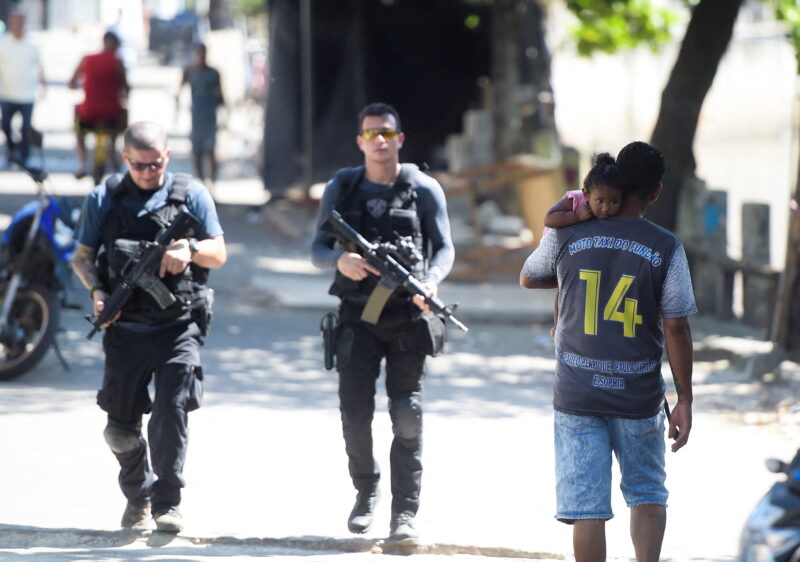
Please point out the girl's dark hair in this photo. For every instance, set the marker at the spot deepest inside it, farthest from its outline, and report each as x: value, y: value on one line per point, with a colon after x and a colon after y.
x: 379, y: 109
x: 642, y: 167
x: 604, y: 172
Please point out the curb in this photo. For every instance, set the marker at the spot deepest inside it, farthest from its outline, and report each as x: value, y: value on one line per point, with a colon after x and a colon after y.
x: 12, y: 537
x: 310, y: 293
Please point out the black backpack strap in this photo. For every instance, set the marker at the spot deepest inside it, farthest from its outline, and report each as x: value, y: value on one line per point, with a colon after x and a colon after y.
x: 403, y: 185
x: 114, y: 184
x: 406, y: 174
x: 179, y: 190
x: 348, y: 179
x: 117, y: 185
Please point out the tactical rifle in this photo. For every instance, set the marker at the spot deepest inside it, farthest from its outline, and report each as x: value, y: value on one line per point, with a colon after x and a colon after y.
x: 141, y: 271
x: 393, y: 274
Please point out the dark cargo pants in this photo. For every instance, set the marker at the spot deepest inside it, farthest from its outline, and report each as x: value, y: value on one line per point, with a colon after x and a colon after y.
x: 360, y: 348
x: 171, y: 358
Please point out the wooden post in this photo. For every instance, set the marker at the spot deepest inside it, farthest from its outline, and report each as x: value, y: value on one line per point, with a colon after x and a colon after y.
x: 786, y: 315
x: 786, y: 318
x: 758, y: 290
x: 713, y: 284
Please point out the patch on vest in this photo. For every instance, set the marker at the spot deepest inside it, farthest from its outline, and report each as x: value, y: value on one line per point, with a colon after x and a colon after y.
x: 376, y: 207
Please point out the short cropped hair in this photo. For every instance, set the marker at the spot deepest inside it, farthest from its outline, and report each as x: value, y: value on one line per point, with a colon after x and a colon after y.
x: 111, y: 37
x: 379, y: 109
x: 642, y: 166
x: 145, y: 135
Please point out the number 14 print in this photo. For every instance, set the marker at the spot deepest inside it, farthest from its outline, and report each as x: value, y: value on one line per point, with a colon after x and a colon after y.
x: 614, y: 310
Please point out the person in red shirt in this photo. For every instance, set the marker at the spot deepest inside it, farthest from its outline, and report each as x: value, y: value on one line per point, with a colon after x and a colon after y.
x: 105, y: 89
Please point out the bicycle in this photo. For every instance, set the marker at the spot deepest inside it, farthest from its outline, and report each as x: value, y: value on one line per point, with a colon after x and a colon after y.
x: 105, y: 141
x: 104, y: 153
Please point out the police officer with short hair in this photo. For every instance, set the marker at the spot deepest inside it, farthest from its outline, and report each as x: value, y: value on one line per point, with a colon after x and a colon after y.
x: 383, y: 200
x: 145, y: 342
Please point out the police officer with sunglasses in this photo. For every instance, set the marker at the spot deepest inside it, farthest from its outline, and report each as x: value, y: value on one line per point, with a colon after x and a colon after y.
x: 384, y: 200
x: 146, y: 342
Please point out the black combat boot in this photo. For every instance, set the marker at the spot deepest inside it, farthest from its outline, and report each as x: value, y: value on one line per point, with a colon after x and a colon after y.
x: 361, y: 517
x: 136, y: 516
x: 170, y: 521
x: 402, y: 528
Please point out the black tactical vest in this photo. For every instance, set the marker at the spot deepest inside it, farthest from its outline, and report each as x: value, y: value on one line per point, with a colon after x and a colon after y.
x: 122, y: 232
x: 379, y: 217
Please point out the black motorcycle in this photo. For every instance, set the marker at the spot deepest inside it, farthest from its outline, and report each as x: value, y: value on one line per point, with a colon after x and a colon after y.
x: 35, y: 254
x: 772, y: 532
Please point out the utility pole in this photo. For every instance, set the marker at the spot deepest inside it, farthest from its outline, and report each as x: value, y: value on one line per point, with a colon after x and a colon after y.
x: 307, y: 88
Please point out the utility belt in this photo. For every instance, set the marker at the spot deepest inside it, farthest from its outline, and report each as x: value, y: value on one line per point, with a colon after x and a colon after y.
x: 428, y: 336
x: 200, y: 311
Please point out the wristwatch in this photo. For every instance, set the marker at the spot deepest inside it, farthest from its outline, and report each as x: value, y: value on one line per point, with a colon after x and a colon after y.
x: 193, y: 249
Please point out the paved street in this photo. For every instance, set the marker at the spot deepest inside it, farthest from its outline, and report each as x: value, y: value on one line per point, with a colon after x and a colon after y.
x: 266, y: 469
x: 267, y: 462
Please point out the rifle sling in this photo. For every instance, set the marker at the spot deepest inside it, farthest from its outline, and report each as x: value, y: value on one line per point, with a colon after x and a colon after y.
x: 377, y: 300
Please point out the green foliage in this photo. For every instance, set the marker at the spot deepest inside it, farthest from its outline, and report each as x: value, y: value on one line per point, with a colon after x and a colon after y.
x: 611, y: 25
x: 788, y: 11
x: 608, y: 26
x: 251, y: 8
x: 472, y: 21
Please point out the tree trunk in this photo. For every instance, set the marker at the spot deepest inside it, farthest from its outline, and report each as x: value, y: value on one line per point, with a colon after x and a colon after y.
x: 786, y: 320
x: 283, y: 146
x: 707, y: 37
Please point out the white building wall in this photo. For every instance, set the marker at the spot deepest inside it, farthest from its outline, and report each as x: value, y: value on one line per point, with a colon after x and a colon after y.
x: 745, y: 142
x: 71, y: 13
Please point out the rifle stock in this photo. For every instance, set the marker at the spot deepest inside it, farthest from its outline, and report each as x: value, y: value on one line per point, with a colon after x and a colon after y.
x: 393, y: 273
x: 143, y: 273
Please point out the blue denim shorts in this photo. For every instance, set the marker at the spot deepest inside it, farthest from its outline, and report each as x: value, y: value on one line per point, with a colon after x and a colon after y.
x: 583, y: 463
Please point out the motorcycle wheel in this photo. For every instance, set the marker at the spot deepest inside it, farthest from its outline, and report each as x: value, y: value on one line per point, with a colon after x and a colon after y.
x: 32, y: 324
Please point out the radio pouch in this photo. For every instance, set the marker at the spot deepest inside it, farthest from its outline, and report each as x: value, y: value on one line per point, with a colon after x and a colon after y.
x: 205, y: 312
x: 328, y: 330
x: 431, y: 334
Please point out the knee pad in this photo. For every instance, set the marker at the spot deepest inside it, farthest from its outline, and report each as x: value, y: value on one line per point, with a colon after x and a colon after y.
x: 406, y: 414
x: 120, y: 439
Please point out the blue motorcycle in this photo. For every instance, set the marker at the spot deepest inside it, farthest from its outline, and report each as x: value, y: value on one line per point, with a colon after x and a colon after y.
x: 772, y: 532
x: 35, y: 254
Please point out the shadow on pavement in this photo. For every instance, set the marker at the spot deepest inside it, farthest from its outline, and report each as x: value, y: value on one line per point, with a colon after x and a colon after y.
x: 86, y: 544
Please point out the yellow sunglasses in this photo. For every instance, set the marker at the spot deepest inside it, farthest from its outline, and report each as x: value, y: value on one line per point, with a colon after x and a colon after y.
x: 371, y: 134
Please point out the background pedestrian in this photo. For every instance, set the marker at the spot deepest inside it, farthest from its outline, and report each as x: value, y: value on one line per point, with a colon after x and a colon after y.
x: 21, y: 76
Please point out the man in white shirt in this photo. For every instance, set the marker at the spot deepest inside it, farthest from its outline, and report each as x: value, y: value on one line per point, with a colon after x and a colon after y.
x: 20, y: 76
